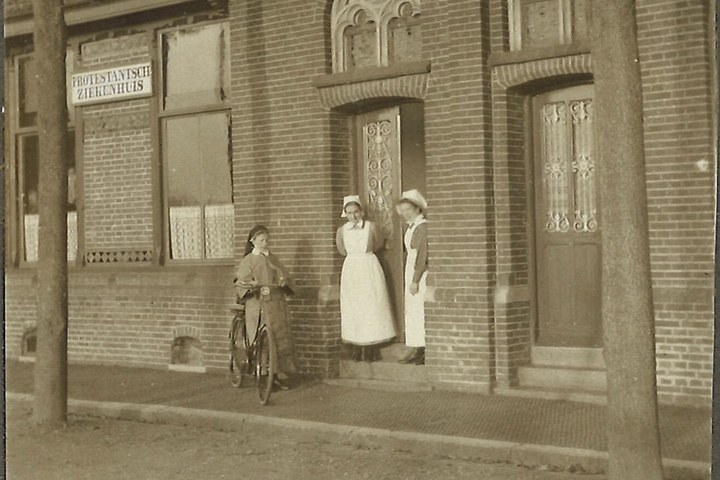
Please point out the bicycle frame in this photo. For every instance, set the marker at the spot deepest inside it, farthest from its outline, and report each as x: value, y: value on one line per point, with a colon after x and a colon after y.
x: 258, y: 361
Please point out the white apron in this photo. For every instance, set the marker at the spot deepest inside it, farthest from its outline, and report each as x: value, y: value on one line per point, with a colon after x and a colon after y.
x: 414, y: 304
x: 366, y: 316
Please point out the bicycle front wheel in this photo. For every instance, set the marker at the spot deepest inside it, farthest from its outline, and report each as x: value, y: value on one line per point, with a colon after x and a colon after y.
x: 265, y: 367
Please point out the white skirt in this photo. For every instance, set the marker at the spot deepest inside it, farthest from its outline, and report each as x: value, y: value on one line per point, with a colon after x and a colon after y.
x: 366, y: 316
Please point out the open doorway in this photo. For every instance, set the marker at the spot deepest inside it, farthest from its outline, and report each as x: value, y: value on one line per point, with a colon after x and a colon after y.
x: 389, y: 157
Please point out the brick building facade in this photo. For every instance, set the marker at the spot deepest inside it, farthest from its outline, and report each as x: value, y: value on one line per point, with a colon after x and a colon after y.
x: 488, y: 110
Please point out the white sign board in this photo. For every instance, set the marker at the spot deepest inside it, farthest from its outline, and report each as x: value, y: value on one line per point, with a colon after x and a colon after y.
x: 112, y: 84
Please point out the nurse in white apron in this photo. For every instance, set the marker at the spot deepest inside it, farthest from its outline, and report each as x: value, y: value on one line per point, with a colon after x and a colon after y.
x: 412, y: 207
x: 365, y: 314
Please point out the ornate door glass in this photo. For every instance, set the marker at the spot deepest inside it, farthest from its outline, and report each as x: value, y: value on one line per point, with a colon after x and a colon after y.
x: 567, y: 235
x: 570, y: 193
x: 379, y: 163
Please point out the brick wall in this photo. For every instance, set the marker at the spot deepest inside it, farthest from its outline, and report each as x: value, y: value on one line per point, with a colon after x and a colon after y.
x: 291, y: 167
x: 289, y: 158
x: 459, y: 188
x: 676, y: 70
x: 131, y: 317
x: 676, y: 63
x: 116, y: 163
x: 119, y: 314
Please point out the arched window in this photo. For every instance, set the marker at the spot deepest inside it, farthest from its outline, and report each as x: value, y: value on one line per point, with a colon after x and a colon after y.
x: 374, y: 33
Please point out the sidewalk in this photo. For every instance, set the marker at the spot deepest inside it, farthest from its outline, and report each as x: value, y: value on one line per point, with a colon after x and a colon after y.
x: 686, y: 434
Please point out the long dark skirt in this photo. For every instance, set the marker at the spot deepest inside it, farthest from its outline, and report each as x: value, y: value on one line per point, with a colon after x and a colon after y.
x: 274, y: 314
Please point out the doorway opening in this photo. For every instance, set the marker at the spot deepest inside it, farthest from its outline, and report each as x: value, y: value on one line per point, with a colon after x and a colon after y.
x: 389, y: 158
x: 567, y: 223
x: 566, y: 352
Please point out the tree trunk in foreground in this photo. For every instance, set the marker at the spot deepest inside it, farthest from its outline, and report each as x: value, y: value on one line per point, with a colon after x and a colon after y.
x: 628, y: 317
x: 50, y: 402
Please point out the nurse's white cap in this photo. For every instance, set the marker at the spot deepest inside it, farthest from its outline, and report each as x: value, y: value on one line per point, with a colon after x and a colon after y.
x: 416, y: 198
x: 350, y: 199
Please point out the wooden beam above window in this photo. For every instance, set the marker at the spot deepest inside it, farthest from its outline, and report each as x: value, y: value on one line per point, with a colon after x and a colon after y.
x: 88, y: 12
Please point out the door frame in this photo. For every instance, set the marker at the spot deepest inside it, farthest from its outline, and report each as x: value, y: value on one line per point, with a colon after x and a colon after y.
x: 531, y: 147
x: 353, y: 185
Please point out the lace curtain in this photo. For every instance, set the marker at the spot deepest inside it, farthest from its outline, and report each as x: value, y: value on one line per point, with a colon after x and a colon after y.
x: 32, y: 224
x: 189, y: 238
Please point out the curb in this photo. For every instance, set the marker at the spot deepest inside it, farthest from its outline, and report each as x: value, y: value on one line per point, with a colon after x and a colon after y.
x: 528, y: 455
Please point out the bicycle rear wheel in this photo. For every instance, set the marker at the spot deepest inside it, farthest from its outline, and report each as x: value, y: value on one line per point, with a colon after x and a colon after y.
x: 238, y: 355
x: 265, y: 366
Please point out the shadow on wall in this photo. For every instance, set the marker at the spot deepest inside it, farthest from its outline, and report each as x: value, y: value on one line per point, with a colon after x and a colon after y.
x: 186, y: 351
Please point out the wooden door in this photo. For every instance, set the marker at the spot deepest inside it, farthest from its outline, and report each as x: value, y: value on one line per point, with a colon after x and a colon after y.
x: 567, y: 226
x: 379, y: 185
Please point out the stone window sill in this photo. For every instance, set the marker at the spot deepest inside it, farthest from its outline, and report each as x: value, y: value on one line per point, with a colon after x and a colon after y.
x: 370, y: 74
x: 530, y: 54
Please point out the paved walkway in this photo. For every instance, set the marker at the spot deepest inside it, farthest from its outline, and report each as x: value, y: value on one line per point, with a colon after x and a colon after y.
x: 686, y: 433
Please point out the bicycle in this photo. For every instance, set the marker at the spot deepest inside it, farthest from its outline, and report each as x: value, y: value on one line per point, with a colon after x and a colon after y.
x: 256, y: 358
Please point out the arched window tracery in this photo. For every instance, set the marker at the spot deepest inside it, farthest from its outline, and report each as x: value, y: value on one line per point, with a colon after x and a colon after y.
x: 374, y: 33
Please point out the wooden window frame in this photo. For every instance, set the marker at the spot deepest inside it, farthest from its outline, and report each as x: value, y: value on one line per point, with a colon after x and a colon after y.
x: 566, y: 33
x: 15, y: 134
x: 161, y: 115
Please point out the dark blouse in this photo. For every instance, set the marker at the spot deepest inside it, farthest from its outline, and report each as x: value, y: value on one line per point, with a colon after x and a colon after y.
x: 419, y: 242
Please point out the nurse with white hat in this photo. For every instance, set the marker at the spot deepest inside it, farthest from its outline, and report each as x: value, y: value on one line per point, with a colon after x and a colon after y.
x: 365, y: 312
x: 412, y: 207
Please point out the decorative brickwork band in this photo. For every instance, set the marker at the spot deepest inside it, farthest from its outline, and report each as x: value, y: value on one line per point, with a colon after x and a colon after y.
x: 120, y: 121
x: 408, y: 86
x: 120, y: 256
x: 511, y: 75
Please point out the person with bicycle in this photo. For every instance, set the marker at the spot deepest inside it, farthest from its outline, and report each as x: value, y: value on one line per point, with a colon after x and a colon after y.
x: 260, y: 273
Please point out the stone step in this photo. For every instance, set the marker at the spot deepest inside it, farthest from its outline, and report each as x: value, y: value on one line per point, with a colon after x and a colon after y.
x: 395, y: 352
x: 384, y: 385
x: 582, y: 379
x: 383, y: 370
x: 588, y: 396
x: 568, y: 357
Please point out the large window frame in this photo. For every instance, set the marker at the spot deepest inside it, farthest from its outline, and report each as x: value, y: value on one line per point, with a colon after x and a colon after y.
x: 573, y: 20
x: 21, y: 133
x: 166, y: 115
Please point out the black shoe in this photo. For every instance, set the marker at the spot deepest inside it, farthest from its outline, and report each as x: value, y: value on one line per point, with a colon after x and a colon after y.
x: 420, y: 359
x: 372, y: 354
x: 357, y: 354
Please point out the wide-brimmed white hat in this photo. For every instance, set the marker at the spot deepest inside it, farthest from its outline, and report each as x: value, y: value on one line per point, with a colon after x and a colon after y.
x: 350, y: 199
x: 415, y: 197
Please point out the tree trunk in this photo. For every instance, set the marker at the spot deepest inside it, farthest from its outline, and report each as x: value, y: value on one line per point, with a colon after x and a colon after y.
x: 628, y: 317
x: 50, y: 403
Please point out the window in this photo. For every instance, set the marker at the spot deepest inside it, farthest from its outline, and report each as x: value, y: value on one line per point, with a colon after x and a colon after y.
x: 371, y: 33
x: 360, y: 43
x: 196, y: 135
x: 28, y: 161
x: 543, y: 23
x: 404, y: 39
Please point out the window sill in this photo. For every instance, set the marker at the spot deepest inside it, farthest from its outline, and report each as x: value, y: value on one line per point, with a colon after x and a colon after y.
x: 374, y: 73
x: 542, y: 53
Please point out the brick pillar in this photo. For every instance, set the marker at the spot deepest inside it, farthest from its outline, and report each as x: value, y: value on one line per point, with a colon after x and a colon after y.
x: 459, y: 178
